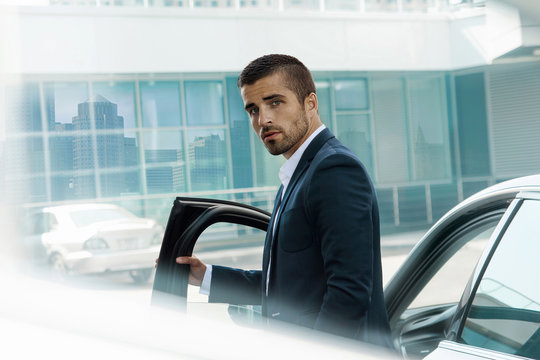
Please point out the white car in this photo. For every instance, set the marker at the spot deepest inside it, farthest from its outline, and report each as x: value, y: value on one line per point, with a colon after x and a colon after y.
x: 94, y: 238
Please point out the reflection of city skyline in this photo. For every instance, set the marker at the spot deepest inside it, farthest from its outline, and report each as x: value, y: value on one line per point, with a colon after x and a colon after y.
x: 95, y: 140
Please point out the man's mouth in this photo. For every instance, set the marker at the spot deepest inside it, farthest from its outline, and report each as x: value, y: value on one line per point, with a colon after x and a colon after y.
x: 270, y: 135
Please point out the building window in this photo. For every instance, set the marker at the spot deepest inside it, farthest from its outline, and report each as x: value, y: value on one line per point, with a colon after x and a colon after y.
x: 430, y: 154
x: 160, y: 103
x: 208, y: 160
x: 351, y: 94
x: 204, y: 103
x: 165, y: 161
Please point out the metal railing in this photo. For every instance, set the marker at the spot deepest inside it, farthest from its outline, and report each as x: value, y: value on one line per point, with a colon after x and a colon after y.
x: 356, y: 6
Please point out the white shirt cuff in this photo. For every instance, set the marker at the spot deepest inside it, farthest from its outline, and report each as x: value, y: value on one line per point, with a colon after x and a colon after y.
x: 207, y: 279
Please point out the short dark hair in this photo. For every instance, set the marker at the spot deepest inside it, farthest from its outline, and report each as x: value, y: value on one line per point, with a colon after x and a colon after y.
x: 296, y: 75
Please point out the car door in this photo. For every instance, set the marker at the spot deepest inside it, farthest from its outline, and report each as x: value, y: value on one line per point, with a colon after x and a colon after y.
x: 189, y: 218
x: 500, y: 317
x: 422, y: 298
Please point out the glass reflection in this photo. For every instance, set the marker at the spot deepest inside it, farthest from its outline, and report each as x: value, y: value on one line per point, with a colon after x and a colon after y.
x: 505, y: 313
x: 351, y: 94
x: 164, y: 158
x: 62, y: 100
x: 429, y: 137
x: 354, y: 131
x: 204, y: 102
x: 160, y: 103
x: 207, y: 156
x: 122, y: 94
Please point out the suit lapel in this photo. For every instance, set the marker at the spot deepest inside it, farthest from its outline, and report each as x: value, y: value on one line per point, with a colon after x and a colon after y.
x: 268, y: 239
x: 308, y: 155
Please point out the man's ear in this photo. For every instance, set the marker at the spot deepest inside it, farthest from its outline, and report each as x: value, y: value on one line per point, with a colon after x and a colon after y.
x: 311, y: 103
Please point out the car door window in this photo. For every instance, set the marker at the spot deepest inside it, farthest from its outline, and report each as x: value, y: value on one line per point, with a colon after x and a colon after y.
x: 447, y: 284
x: 232, y: 245
x: 505, y: 312
x: 227, y: 244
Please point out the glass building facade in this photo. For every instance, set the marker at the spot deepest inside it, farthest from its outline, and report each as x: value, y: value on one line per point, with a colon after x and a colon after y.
x: 140, y: 140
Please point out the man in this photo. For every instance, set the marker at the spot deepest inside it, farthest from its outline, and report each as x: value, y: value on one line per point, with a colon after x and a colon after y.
x: 322, y: 261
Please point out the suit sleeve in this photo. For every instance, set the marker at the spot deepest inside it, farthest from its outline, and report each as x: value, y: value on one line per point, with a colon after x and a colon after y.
x: 340, y: 203
x: 235, y: 286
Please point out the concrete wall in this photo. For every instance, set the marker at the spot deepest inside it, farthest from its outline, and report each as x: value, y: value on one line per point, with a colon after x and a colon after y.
x: 131, y: 40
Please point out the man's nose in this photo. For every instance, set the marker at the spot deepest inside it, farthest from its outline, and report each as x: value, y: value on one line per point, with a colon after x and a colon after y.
x: 264, y: 118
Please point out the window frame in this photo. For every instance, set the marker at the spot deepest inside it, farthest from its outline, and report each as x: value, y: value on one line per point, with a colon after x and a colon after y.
x: 466, y: 303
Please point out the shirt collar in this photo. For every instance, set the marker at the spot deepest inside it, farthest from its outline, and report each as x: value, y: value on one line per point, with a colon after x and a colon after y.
x: 287, y: 170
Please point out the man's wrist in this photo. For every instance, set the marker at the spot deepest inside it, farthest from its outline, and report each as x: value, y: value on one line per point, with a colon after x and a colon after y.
x: 207, y: 279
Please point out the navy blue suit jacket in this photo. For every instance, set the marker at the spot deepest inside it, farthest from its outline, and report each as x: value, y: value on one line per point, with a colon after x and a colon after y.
x: 326, y: 260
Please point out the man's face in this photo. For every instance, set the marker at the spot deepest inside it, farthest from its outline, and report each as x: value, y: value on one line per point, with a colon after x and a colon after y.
x: 277, y: 116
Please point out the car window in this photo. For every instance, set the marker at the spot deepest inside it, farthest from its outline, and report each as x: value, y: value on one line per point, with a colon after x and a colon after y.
x: 53, y: 222
x: 42, y: 223
x: 232, y: 245
x: 505, y: 312
x: 37, y: 224
x: 447, y: 284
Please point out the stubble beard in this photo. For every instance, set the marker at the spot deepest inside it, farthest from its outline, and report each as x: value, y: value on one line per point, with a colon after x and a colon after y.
x: 295, y: 134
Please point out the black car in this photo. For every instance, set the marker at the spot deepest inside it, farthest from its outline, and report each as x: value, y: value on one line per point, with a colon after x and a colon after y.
x: 466, y: 290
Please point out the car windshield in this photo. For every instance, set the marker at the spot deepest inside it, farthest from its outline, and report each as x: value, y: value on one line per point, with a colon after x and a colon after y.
x: 83, y: 218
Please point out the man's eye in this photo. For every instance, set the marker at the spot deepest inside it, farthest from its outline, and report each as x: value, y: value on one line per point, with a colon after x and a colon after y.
x: 276, y: 102
x: 253, y: 111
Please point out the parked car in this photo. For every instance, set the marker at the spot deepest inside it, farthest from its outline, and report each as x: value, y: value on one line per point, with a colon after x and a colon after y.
x: 94, y: 238
x: 468, y: 289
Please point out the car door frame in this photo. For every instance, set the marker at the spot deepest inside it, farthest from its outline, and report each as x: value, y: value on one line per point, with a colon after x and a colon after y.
x: 427, y: 326
x: 466, y: 301
x: 189, y: 218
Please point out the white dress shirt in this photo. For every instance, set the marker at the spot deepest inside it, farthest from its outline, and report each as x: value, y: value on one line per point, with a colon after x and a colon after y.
x: 285, y: 174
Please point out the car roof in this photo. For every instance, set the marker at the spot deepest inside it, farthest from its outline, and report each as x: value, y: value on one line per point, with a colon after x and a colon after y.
x: 531, y: 182
x: 506, y: 189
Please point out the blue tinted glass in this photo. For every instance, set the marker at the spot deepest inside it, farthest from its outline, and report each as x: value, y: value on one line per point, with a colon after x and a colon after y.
x: 160, y: 102
x: 62, y: 187
x: 84, y: 182
x: 122, y: 95
x: 505, y: 313
x: 323, y: 97
x: 412, y: 205
x: 428, y: 124
x: 240, y: 132
x: 62, y: 102
x: 37, y: 187
x: 472, y: 125
x: 204, y: 102
x: 61, y: 152
x: 117, y: 182
x: 390, y: 122
x: 23, y: 156
x: 351, y: 94
x: 164, y: 158
x: 131, y: 150
x: 208, y: 160
x: 23, y: 108
x: 443, y: 198
x: 354, y: 131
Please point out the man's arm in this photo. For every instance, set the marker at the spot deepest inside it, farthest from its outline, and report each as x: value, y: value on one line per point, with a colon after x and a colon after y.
x: 227, y: 285
x: 339, y: 202
x: 235, y: 286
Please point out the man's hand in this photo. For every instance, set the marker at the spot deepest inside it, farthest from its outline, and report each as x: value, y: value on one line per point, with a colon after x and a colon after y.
x: 197, y: 269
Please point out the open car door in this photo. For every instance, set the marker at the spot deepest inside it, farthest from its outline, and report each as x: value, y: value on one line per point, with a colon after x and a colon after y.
x: 189, y: 218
